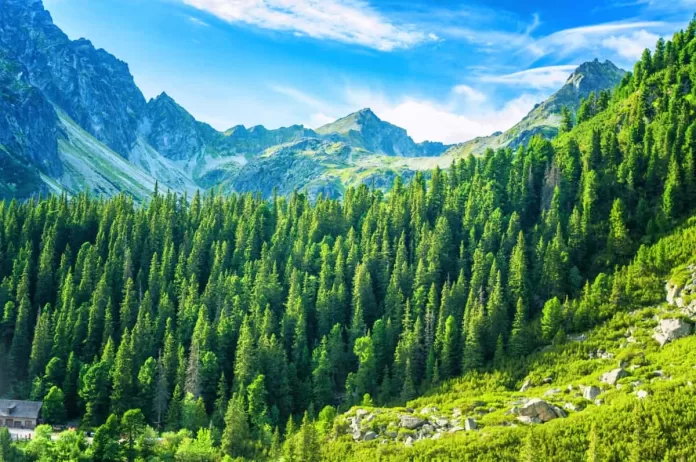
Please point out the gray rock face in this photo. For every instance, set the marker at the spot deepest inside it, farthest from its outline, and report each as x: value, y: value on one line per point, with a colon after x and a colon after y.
x: 591, y: 392
x: 613, y: 376
x: 671, y: 329
x: 470, y: 424
x: 540, y: 410
x: 93, y: 87
x: 411, y: 422
x: 29, y: 124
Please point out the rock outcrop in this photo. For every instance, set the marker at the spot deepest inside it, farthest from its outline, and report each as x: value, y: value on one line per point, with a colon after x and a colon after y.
x: 613, y: 376
x: 671, y: 329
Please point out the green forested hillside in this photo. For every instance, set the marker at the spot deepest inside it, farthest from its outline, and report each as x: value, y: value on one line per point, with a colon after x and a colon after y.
x: 245, y: 319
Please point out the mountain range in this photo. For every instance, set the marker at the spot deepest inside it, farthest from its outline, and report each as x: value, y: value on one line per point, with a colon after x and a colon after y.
x: 75, y: 120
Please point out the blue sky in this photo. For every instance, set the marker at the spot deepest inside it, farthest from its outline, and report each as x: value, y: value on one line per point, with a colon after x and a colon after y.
x: 445, y: 70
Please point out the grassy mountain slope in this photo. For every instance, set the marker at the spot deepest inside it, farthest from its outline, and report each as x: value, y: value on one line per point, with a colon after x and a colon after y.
x: 656, y: 397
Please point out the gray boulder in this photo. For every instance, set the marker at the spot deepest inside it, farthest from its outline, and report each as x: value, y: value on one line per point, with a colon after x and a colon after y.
x: 671, y: 329
x: 673, y: 292
x: 613, y: 376
x: 526, y: 385
x: 369, y: 436
x: 541, y: 410
x: 470, y: 424
x: 591, y: 392
x: 411, y: 422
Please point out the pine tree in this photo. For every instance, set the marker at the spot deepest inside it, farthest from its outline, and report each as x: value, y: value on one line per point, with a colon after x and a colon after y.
x: 235, y: 438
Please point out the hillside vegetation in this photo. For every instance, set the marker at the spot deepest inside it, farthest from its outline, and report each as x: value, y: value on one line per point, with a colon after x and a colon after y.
x: 240, y: 319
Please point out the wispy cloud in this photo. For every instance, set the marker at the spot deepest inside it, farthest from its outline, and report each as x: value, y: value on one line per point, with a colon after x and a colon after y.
x: 632, y: 46
x: 470, y: 93
x: 565, y: 42
x: 347, y: 21
x: 539, y: 77
x: 198, y: 22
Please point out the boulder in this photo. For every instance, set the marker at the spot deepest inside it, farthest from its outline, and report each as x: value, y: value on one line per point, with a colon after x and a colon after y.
x: 551, y: 392
x: 541, y: 410
x: 436, y: 436
x: 641, y: 394
x: 429, y: 410
x: 673, y: 291
x: 357, y: 435
x: 369, y: 436
x: 369, y: 418
x: 671, y: 329
x: 360, y: 413
x: 411, y: 422
x: 591, y: 392
x: 456, y: 429
x: 571, y: 407
x: 526, y: 385
x: 409, y: 441
x: 613, y: 376
x: 547, y: 380
x: 470, y: 424
x: 441, y: 422
x: 528, y: 420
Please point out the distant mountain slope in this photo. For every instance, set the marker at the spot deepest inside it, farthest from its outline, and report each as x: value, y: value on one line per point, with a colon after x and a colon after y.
x: 365, y: 130
x: 70, y: 108
x: 545, y: 118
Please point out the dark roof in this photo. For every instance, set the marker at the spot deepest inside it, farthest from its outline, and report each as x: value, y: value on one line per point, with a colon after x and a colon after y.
x: 20, y: 409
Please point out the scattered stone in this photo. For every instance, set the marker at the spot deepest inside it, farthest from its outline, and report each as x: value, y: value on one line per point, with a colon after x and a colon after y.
x: 369, y: 418
x: 551, y: 392
x: 633, y: 367
x: 559, y: 412
x: 456, y: 429
x: 526, y: 385
x: 470, y: 424
x: 599, y: 402
x: 429, y: 410
x: 456, y: 412
x: 673, y: 292
x: 540, y: 409
x: 357, y: 435
x: 571, y: 407
x: 637, y: 383
x: 641, y: 394
x: 591, y: 392
x: 436, y: 436
x: 441, y: 422
x: 547, y: 380
x: 369, y: 436
x: 391, y: 434
x: 360, y: 413
x: 409, y: 441
x: 411, y: 422
x: 514, y: 411
x: 671, y: 329
x: 613, y: 376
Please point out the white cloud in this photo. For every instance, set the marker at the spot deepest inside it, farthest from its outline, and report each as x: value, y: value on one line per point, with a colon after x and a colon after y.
x: 469, y: 93
x: 424, y: 119
x: 198, y: 22
x: 539, y: 77
x: 347, y: 21
x: 631, y: 47
x: 567, y: 41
